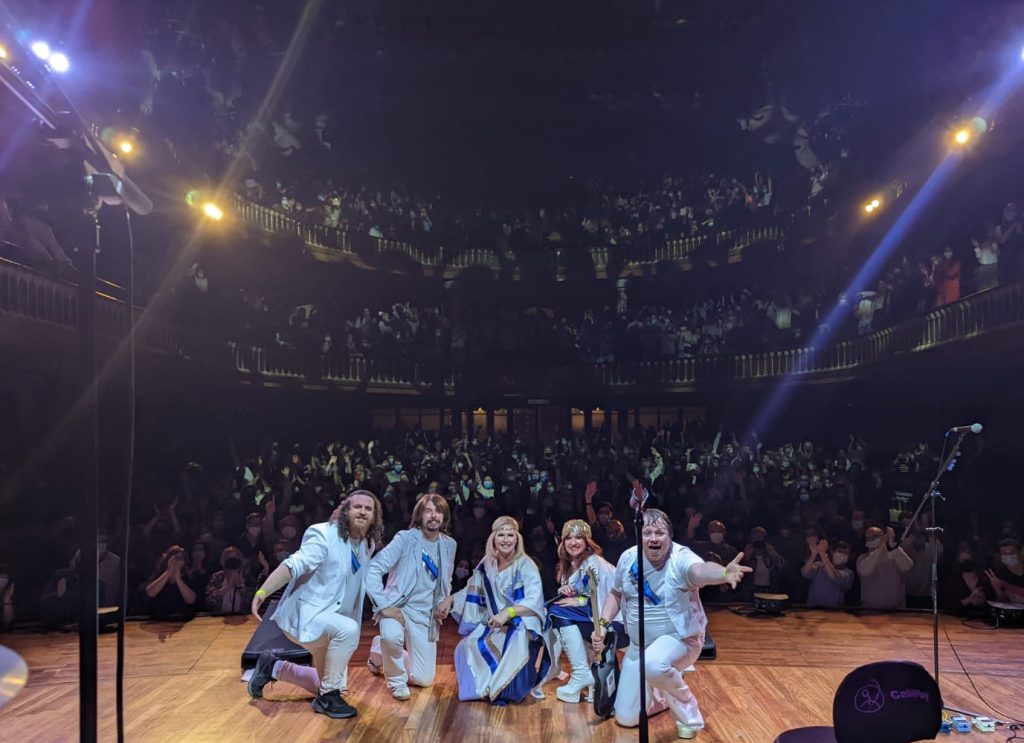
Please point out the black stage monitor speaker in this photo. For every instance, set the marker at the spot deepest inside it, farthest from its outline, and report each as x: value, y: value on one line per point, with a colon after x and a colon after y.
x: 268, y: 636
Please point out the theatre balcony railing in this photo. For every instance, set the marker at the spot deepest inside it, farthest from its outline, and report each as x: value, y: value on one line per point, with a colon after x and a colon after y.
x: 332, y: 244
x: 30, y: 295
x: 986, y: 312
x: 276, y: 364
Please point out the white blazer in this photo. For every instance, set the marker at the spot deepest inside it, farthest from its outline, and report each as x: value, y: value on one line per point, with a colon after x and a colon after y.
x: 321, y: 571
x: 402, y: 560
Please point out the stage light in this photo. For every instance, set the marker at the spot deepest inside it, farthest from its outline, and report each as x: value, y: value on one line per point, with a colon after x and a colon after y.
x: 125, y: 147
x: 213, y: 211
x: 3, y: 52
x: 962, y: 136
x: 41, y: 49
x: 59, y: 62
x: 872, y: 206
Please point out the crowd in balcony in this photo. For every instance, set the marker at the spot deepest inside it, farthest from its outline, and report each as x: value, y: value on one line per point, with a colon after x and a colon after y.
x: 823, y: 524
x: 603, y: 214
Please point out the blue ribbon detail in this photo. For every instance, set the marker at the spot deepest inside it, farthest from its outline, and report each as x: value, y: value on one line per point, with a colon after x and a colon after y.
x: 431, y: 566
x: 475, y: 598
x: 485, y: 651
x: 355, y: 562
x: 648, y: 593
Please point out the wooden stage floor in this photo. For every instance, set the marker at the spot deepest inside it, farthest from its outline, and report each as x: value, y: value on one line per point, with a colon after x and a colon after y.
x: 183, y: 685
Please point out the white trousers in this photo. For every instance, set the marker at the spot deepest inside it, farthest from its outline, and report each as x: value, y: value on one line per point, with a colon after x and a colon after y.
x: 666, y: 659
x: 331, y: 653
x: 406, y: 655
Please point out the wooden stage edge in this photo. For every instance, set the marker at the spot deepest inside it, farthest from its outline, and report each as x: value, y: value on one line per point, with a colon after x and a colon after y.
x: 183, y: 685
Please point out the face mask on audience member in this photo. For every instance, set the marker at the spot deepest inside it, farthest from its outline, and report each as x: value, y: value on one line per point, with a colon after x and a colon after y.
x: 716, y: 537
x: 488, y: 484
x: 101, y: 549
x: 1010, y: 561
x: 461, y: 572
x: 4, y: 580
x: 804, y: 496
x: 873, y: 543
x: 857, y: 524
x: 840, y: 558
x: 233, y: 563
x: 288, y: 532
x: 966, y: 563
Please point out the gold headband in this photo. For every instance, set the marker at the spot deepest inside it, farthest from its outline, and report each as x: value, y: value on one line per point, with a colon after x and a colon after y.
x: 576, y: 528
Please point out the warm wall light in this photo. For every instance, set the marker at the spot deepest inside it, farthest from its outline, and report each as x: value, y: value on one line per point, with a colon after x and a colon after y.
x: 213, y: 211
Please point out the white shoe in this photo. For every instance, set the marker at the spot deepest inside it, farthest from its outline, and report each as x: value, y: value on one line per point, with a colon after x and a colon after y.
x: 401, y: 693
x: 685, y: 731
x: 538, y: 693
x: 590, y: 695
x: 374, y: 668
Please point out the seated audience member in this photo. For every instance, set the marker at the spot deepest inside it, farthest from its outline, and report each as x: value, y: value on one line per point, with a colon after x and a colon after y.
x: 198, y: 572
x: 829, y: 575
x: 168, y: 594
x: 766, y: 562
x: 882, y: 569
x: 715, y: 543
x: 965, y: 589
x: 251, y: 541
x: 230, y: 590
x: 6, y: 598
x: 58, y: 605
x: 1007, y: 577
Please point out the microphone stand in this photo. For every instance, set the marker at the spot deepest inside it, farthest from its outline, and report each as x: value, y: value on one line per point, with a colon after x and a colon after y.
x: 638, y: 526
x: 932, y: 495
x: 94, y: 177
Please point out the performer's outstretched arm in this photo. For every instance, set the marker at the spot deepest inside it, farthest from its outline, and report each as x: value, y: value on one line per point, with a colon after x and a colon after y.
x: 712, y: 574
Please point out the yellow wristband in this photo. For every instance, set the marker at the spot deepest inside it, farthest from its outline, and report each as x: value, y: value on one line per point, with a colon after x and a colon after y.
x: 583, y: 600
x: 260, y: 592
x: 725, y: 575
x: 511, y: 612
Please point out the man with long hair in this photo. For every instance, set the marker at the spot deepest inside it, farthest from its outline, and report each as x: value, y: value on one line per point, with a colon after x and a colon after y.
x: 418, y: 562
x: 674, y: 622
x: 321, y: 609
x: 501, y: 656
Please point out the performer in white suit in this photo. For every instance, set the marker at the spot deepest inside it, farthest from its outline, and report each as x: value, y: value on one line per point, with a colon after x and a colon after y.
x: 581, y: 571
x: 674, y: 622
x: 419, y: 563
x: 501, y: 656
x: 322, y: 607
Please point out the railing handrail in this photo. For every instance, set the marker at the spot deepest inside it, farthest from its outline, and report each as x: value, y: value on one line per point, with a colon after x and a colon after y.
x: 336, y: 240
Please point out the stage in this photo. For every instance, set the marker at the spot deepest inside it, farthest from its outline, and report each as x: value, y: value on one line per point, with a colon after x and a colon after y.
x: 183, y: 685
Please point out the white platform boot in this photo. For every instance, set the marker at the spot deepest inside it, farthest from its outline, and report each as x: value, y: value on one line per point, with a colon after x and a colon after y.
x: 581, y: 678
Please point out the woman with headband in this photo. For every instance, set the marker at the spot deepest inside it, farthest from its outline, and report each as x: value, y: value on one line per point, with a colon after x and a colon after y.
x: 581, y: 572
x: 501, y: 656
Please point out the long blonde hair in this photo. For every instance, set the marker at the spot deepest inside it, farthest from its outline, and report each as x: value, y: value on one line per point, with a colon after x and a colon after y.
x: 502, y: 522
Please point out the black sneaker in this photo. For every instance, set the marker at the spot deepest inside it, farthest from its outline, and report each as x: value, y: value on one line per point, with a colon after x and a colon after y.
x: 262, y: 674
x: 332, y: 705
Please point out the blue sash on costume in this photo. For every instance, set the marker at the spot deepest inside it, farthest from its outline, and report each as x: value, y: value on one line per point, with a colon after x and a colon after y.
x: 430, y: 565
x: 648, y: 593
x: 355, y: 562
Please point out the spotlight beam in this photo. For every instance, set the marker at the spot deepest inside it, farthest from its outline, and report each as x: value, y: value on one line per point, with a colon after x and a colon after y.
x: 994, y: 97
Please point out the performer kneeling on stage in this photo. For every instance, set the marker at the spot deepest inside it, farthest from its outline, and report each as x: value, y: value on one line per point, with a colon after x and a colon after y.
x: 674, y: 622
x: 581, y: 572
x: 419, y: 563
x: 501, y: 613
x: 321, y: 609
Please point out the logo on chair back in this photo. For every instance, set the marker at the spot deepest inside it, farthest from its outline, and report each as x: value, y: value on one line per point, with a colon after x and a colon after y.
x: 870, y: 698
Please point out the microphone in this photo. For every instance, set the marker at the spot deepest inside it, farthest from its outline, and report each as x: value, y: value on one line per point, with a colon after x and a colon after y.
x: 639, y: 496
x: 973, y: 428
